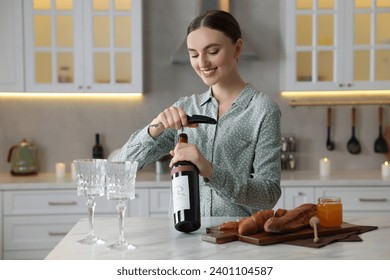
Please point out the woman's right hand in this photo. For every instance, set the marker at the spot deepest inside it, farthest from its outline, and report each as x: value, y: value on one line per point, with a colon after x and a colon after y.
x: 172, y: 117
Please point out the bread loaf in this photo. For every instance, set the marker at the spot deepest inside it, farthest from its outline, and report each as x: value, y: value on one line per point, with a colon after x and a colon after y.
x: 231, y: 225
x: 254, y: 223
x: 292, y: 220
x: 280, y: 212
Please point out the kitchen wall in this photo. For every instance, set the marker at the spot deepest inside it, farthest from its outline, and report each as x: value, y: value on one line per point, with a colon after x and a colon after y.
x: 64, y: 130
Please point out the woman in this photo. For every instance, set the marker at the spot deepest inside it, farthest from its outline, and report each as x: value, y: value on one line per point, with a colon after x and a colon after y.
x: 239, y: 158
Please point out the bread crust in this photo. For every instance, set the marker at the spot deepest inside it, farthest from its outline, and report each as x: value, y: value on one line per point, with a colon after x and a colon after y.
x: 293, y: 220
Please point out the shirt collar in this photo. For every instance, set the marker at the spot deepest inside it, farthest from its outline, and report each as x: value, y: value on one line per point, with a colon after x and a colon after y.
x: 242, y: 99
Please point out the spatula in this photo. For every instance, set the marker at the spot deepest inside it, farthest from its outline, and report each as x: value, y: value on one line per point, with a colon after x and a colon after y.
x: 380, y: 145
x: 353, y: 144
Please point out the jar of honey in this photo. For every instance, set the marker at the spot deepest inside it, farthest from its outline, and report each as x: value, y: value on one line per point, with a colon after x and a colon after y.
x: 330, y: 211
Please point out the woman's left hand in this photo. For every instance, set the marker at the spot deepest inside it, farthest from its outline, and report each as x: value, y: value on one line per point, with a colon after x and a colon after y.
x: 189, y: 152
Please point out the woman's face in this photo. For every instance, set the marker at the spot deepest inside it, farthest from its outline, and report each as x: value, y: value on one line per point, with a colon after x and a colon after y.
x: 212, y: 54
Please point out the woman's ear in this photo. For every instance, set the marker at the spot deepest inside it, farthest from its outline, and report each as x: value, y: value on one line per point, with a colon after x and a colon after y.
x: 239, y: 46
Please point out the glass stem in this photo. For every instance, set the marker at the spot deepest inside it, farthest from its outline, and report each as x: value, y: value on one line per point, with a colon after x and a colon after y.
x: 121, y: 207
x: 91, y: 209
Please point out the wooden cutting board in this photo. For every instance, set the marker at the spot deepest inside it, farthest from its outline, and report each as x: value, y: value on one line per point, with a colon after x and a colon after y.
x: 217, y: 236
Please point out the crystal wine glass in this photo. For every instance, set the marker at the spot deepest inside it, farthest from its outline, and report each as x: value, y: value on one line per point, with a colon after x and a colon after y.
x: 90, y: 183
x: 120, y: 185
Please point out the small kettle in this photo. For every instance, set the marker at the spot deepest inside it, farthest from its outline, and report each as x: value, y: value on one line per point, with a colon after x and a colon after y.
x: 23, y: 158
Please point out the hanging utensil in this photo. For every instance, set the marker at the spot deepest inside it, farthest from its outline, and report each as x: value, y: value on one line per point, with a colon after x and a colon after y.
x: 380, y: 145
x: 329, y: 144
x: 353, y: 144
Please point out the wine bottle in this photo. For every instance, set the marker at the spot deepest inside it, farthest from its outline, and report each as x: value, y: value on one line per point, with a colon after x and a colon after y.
x: 185, y: 194
x: 97, y: 150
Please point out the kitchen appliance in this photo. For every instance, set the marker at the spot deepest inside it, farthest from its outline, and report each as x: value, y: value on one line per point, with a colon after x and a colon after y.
x: 23, y: 159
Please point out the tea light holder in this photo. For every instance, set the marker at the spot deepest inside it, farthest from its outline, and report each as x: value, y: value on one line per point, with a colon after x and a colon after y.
x: 386, y: 169
x: 60, y: 170
x: 324, y: 167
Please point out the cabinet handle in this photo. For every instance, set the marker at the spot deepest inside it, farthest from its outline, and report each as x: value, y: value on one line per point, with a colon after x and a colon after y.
x: 80, y: 87
x: 88, y: 87
x: 341, y: 85
x: 301, y: 193
x: 349, y: 85
x: 372, y: 199
x: 51, y: 233
x: 58, y: 203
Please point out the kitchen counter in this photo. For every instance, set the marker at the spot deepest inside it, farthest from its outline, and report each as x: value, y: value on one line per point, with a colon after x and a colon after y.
x: 150, y: 179
x: 156, y: 238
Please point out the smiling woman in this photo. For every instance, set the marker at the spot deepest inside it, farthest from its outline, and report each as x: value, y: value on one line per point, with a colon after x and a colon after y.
x: 239, y: 158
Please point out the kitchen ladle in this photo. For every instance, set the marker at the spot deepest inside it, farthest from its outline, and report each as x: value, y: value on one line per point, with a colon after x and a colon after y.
x: 314, y: 222
x: 353, y: 144
x: 380, y: 145
x: 329, y: 144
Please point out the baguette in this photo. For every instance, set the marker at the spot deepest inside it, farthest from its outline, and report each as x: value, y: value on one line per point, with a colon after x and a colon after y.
x: 293, y: 220
x: 255, y: 223
x: 231, y: 225
x: 280, y: 212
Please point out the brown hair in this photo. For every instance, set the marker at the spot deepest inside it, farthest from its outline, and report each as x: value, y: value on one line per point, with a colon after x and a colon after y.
x: 218, y: 20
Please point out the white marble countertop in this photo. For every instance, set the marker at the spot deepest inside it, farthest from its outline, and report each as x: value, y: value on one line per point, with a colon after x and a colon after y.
x: 147, y: 179
x: 156, y: 238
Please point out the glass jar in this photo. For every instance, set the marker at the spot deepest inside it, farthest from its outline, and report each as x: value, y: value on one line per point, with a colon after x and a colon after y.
x: 330, y: 211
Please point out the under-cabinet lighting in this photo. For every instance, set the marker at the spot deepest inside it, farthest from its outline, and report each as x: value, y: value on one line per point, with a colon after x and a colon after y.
x: 337, y: 94
x: 71, y: 95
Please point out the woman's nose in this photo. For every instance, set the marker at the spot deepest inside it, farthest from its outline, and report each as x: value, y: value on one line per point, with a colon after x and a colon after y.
x: 203, y: 61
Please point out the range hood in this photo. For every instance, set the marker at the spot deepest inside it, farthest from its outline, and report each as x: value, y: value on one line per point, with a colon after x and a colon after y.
x: 181, y: 55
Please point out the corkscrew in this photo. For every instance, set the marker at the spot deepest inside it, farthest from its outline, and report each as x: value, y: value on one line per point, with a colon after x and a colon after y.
x: 193, y: 119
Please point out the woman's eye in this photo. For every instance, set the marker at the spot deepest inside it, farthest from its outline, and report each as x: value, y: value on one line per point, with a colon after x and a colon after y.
x: 214, y: 52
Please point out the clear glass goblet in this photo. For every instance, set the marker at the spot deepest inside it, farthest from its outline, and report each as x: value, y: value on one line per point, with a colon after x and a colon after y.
x: 90, y: 183
x: 120, y: 185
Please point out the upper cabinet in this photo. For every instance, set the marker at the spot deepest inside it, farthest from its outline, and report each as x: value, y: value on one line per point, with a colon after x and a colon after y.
x: 11, y: 46
x: 83, y: 46
x: 336, y: 44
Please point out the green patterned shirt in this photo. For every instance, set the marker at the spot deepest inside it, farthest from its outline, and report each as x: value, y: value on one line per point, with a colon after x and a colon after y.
x: 244, y: 148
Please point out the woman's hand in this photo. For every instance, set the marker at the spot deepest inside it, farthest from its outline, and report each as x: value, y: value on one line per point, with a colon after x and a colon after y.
x: 189, y: 152
x: 172, y: 117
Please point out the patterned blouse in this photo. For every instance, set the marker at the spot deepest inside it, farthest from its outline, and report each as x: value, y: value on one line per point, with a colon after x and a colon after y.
x: 244, y: 148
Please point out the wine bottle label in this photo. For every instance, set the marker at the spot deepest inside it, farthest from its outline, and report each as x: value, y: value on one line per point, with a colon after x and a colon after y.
x: 180, y: 193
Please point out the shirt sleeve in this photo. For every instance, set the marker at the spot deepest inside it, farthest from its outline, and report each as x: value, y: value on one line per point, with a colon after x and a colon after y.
x: 261, y: 189
x: 145, y: 149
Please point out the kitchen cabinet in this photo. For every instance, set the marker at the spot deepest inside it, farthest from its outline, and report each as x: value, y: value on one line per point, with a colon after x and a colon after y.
x: 363, y: 201
x: 11, y: 46
x: 35, y: 221
x: 83, y: 46
x: 336, y: 44
x: 295, y: 196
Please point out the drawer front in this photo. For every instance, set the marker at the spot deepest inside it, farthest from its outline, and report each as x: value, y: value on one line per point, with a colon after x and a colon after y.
x: 159, y: 200
x: 139, y: 207
x: 360, y: 199
x: 36, y: 233
x: 51, y: 202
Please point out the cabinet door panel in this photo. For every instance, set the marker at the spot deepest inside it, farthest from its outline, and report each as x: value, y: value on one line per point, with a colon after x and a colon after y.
x: 297, y: 196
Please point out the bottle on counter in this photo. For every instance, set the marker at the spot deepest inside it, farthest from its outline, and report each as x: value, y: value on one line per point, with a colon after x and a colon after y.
x: 97, y: 150
x: 185, y: 194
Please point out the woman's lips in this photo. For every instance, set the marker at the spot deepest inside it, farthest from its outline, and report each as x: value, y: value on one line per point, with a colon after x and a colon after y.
x: 208, y: 72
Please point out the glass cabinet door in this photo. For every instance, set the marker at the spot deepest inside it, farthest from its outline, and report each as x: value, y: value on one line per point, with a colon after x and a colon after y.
x: 82, y: 46
x: 315, y: 41
x: 371, y: 41
x: 337, y: 44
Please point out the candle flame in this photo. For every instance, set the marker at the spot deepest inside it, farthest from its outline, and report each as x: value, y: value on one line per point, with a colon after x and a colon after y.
x: 325, y: 159
x: 386, y: 163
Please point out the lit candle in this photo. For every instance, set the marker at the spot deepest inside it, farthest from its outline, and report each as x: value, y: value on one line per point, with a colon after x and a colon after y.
x: 60, y: 170
x: 324, y: 167
x: 386, y: 169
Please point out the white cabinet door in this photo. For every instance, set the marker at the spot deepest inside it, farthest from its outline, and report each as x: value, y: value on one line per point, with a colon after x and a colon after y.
x: 139, y: 207
x: 336, y: 45
x: 297, y: 196
x: 83, y: 46
x: 11, y: 46
x: 159, y: 201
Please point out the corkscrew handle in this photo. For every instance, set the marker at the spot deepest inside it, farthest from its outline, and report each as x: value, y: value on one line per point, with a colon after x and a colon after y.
x: 200, y: 119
